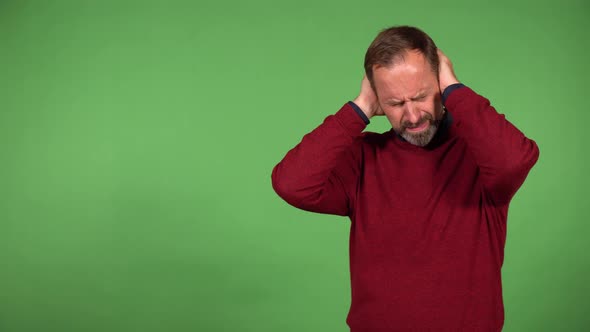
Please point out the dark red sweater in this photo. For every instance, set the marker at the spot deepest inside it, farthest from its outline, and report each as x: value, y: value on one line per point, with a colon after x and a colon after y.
x: 428, y: 225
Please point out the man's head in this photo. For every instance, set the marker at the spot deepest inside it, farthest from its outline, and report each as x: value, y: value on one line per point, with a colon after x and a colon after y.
x: 402, y: 65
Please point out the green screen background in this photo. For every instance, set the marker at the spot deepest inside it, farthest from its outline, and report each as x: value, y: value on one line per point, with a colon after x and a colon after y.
x: 137, y: 140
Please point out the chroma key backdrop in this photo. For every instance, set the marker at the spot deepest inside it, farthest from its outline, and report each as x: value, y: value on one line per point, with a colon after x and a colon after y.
x: 137, y: 140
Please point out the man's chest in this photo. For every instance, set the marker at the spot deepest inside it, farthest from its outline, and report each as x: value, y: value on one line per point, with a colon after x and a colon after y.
x: 402, y: 185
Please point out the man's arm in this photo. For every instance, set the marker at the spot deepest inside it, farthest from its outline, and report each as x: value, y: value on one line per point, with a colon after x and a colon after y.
x: 321, y: 173
x: 502, y: 152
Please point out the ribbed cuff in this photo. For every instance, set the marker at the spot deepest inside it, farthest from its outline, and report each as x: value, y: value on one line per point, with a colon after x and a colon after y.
x: 457, y: 98
x: 350, y: 120
x: 360, y: 112
x: 448, y: 91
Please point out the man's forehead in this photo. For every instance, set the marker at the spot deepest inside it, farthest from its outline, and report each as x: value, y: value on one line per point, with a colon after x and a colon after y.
x: 403, y: 82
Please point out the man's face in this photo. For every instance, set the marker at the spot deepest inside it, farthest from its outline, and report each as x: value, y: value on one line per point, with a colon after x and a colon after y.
x: 409, y: 95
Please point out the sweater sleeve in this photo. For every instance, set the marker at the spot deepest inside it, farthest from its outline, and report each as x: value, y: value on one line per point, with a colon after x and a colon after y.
x: 321, y: 172
x: 503, y: 154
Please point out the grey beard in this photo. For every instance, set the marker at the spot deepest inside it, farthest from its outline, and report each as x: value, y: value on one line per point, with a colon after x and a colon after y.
x: 423, y: 138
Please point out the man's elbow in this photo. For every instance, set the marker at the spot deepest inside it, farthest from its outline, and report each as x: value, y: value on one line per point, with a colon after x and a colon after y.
x: 530, y: 157
x: 505, y: 182
x: 306, y: 197
x: 519, y: 168
x: 278, y: 184
x: 284, y: 187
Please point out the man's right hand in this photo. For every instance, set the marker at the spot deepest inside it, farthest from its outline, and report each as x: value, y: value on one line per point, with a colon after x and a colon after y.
x: 367, y: 100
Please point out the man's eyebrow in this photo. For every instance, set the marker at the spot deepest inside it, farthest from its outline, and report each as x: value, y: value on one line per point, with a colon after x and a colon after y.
x: 419, y: 95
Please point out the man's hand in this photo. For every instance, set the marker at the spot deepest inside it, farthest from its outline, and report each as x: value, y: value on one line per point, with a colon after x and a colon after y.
x: 367, y: 100
x: 446, y: 75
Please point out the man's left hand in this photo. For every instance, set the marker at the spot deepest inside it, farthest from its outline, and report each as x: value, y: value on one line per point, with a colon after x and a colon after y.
x: 446, y: 75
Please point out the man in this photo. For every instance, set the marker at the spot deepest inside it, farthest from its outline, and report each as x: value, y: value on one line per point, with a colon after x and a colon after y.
x: 427, y: 200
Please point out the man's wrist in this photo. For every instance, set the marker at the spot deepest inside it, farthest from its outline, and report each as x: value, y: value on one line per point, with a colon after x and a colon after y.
x: 450, y: 88
x: 364, y: 106
x: 358, y: 109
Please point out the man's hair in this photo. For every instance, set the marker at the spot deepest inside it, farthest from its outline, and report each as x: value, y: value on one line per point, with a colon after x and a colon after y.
x: 391, y: 44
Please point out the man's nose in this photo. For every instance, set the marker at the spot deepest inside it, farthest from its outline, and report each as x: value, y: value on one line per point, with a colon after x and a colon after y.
x: 412, y: 113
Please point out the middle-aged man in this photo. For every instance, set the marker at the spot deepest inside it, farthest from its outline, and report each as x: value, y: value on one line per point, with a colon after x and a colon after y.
x: 427, y: 200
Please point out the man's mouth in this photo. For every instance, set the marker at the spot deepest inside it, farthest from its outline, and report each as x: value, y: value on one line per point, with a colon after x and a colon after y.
x: 418, y: 128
